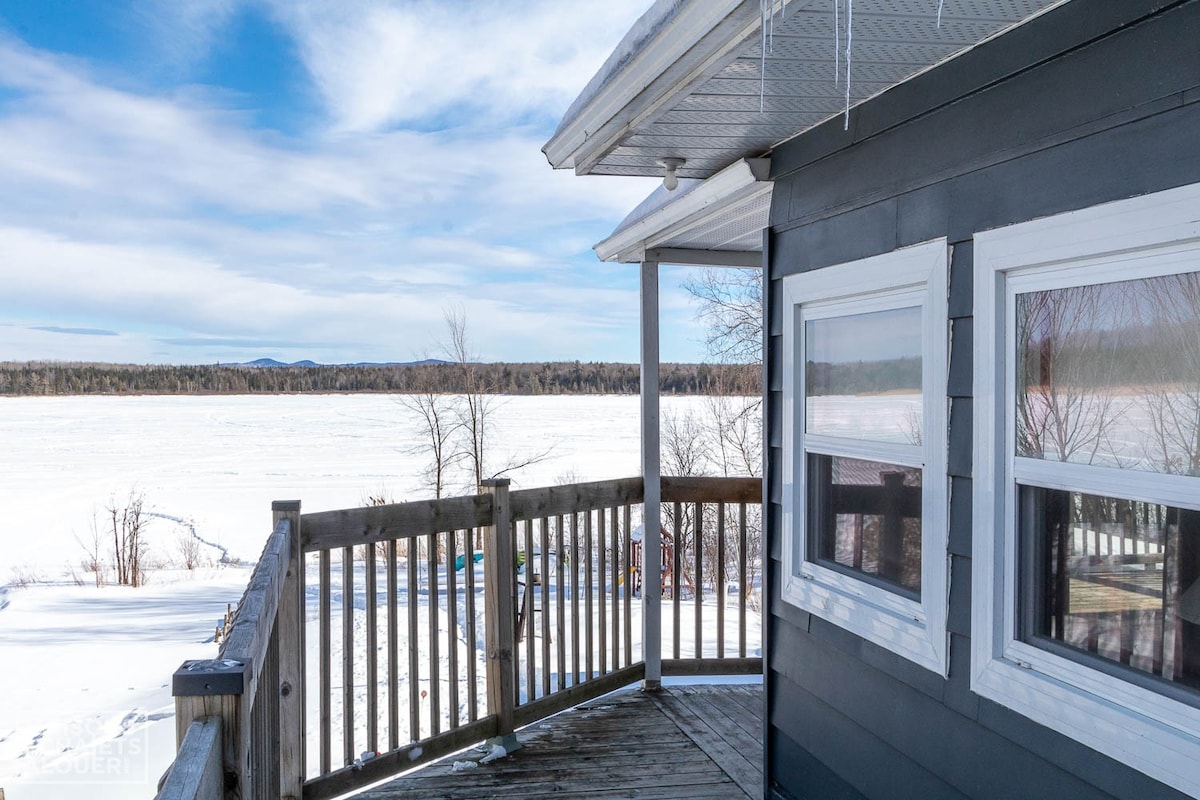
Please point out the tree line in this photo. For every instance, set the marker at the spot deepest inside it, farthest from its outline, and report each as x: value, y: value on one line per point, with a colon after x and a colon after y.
x: 574, y: 377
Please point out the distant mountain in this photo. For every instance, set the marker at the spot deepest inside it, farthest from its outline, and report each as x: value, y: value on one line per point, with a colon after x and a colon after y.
x: 270, y: 362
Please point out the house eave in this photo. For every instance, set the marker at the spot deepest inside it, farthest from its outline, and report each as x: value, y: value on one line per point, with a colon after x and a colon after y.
x: 675, y: 226
x: 689, y: 46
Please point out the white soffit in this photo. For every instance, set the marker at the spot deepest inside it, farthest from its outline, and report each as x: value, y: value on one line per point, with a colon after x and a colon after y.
x: 723, y: 214
x: 694, y: 87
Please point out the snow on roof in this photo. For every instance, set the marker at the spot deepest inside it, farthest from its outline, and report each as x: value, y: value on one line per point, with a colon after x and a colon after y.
x: 657, y: 17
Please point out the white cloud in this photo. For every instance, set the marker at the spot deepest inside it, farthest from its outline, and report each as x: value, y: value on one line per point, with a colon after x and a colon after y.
x: 166, y: 217
x: 381, y: 63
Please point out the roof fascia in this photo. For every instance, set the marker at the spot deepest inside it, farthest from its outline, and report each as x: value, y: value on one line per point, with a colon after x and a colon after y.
x: 687, y: 50
x: 739, y: 181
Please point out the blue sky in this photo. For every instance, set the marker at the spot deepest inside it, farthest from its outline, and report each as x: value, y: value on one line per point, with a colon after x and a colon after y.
x: 220, y: 180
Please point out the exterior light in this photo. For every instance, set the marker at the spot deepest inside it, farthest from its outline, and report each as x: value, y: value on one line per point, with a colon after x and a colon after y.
x: 669, y: 165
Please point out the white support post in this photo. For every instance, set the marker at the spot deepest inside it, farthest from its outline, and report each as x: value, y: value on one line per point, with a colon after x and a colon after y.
x: 651, y: 475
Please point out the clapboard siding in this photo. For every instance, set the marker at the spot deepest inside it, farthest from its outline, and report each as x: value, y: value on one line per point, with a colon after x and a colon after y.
x: 1095, y: 101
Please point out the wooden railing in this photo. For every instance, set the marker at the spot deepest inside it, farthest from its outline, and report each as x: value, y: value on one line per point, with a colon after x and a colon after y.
x: 252, y: 693
x: 443, y: 623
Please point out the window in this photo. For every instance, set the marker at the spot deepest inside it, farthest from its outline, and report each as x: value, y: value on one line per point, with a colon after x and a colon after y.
x: 1086, y: 569
x: 865, y: 484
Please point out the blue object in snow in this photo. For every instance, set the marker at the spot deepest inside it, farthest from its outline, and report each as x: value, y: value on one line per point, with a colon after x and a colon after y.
x: 461, y: 561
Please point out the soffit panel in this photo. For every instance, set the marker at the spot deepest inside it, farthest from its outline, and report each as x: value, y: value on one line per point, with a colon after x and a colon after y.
x: 735, y: 112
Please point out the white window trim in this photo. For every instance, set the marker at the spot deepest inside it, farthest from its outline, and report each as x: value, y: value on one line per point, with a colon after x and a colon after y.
x: 914, y: 629
x: 1141, y: 237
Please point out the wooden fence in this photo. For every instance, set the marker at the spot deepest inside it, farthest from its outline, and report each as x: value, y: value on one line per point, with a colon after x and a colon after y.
x: 460, y: 620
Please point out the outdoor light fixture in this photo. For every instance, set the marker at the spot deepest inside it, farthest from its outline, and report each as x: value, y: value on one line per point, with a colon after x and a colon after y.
x: 669, y: 165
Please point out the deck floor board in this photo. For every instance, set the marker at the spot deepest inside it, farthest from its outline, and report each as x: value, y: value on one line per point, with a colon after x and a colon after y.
x: 695, y: 742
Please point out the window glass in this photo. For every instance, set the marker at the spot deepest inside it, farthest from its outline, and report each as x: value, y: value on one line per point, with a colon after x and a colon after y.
x: 866, y: 517
x: 1109, y: 374
x: 1118, y: 579
x: 863, y: 376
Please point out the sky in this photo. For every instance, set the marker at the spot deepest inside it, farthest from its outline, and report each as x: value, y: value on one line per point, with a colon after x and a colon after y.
x: 202, y: 181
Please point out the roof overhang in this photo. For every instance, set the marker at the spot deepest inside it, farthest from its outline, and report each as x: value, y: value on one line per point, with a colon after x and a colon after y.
x: 691, y: 80
x: 715, y: 222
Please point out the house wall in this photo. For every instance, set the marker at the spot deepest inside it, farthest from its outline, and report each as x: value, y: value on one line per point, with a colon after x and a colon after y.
x: 1095, y: 101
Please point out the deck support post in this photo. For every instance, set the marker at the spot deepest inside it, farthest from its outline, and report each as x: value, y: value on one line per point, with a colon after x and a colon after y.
x: 652, y: 478
x: 500, y: 617
x: 290, y: 625
x: 216, y: 688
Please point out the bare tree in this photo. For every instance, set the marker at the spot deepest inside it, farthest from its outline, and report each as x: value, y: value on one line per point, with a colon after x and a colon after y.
x: 125, y: 525
x: 189, y: 549
x: 1067, y: 359
x: 438, y: 424
x: 1170, y: 311
x: 474, y: 412
x: 730, y: 303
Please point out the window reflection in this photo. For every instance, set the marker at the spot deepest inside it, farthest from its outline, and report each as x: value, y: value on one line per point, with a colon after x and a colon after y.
x: 1119, y: 579
x: 866, y: 516
x: 863, y: 376
x: 1109, y: 374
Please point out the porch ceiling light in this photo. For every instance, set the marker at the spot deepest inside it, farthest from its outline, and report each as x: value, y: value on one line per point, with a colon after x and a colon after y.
x: 669, y: 165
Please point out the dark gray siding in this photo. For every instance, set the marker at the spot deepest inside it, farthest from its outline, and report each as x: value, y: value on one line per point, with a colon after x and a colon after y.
x: 1095, y: 101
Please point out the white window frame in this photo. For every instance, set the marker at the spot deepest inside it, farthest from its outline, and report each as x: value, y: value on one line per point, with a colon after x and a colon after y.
x: 1143, y: 237
x: 913, y: 276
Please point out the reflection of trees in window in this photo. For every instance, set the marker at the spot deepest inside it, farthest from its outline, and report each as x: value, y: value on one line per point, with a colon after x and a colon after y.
x: 1170, y: 311
x: 1068, y: 352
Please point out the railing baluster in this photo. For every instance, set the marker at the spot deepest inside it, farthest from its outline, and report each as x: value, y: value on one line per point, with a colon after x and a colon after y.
x: 435, y: 661
x: 743, y: 579
x: 601, y: 549
x: 676, y: 560
x: 348, y: 754
x: 372, y: 650
x: 325, y: 656
x: 574, y: 599
x: 589, y: 638
x: 393, y: 622
x: 720, y: 580
x: 545, y: 606
x: 528, y: 604
x: 472, y: 641
x: 698, y: 544
x: 452, y: 623
x: 620, y: 576
x: 627, y: 543
x: 560, y: 620
x: 414, y: 666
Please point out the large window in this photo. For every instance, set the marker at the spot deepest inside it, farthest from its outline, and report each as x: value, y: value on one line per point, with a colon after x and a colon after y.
x: 1087, y: 485
x: 865, y: 448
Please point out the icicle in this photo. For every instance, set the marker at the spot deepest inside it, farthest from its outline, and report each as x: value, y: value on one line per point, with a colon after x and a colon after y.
x: 837, y: 46
x: 940, y: 4
x: 849, y: 44
x: 762, y: 71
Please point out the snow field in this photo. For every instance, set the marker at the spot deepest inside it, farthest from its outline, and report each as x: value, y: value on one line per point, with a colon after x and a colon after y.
x: 85, y: 699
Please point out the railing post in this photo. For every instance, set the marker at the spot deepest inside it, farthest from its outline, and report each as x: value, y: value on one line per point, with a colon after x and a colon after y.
x: 214, y: 688
x: 652, y: 477
x: 500, y: 616
x: 290, y: 627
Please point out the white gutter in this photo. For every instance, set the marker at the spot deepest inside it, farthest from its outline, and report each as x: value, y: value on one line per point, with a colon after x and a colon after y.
x: 690, y: 47
x: 741, y: 181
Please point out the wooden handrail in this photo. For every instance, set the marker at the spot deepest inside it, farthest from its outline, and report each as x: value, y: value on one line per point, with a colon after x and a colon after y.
x: 703, y: 489
x: 551, y: 501
x: 326, y: 530
x: 196, y: 773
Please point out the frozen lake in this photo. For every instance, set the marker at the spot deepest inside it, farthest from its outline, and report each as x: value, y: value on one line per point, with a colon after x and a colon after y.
x: 219, y: 461
x: 216, y: 463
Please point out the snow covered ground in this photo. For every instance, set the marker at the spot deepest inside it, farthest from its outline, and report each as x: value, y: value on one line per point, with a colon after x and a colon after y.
x: 85, y: 703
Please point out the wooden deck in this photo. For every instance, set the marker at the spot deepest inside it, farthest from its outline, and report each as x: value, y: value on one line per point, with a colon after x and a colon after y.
x: 699, y: 742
